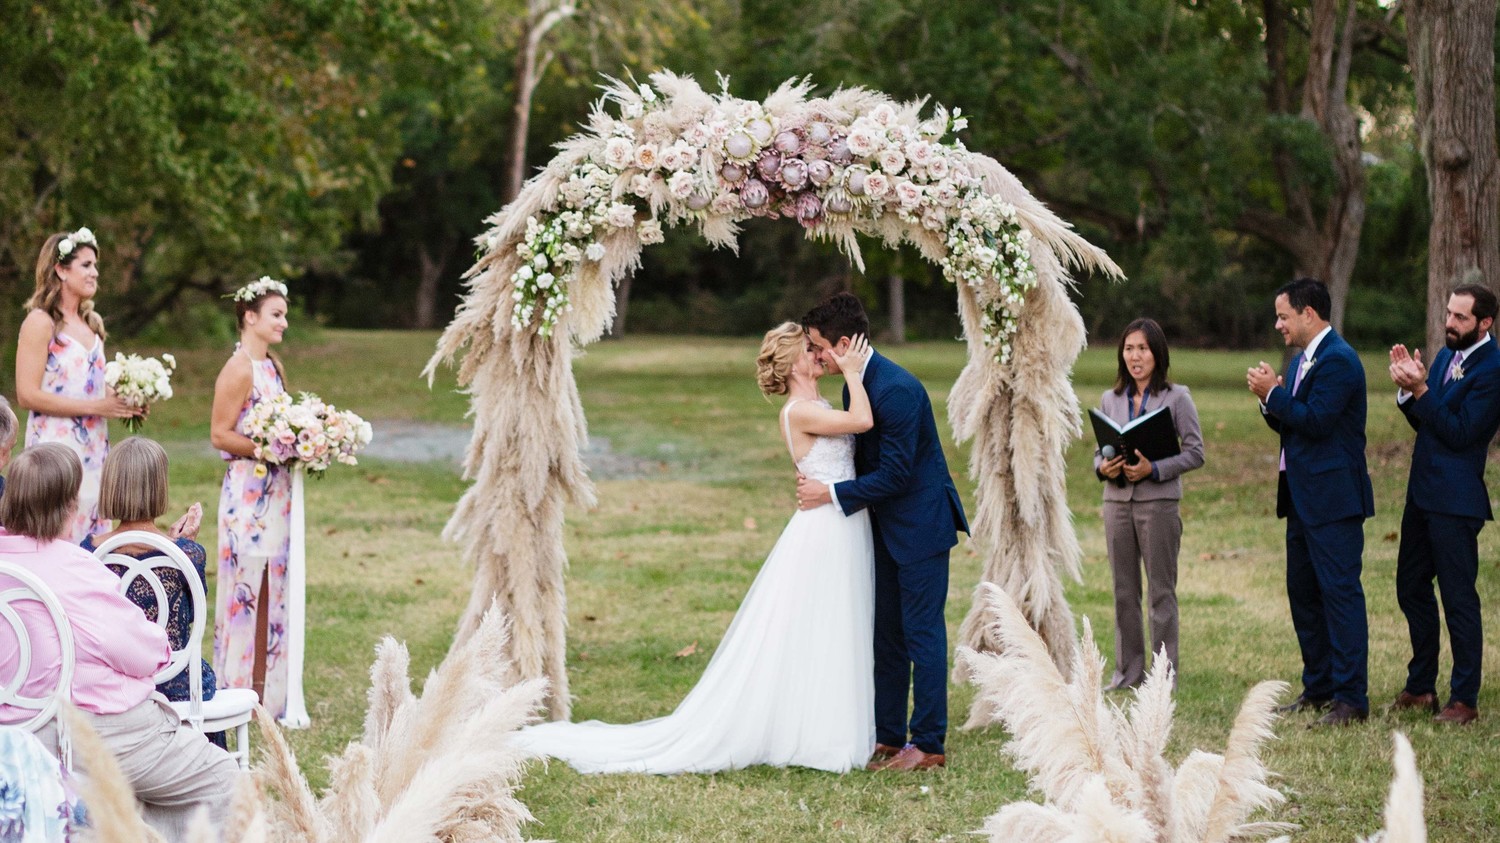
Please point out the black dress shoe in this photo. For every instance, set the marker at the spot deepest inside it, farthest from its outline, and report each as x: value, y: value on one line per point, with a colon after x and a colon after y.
x: 1304, y: 703
x: 1341, y: 714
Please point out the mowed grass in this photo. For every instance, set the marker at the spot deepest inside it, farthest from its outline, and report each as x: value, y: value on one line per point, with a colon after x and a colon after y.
x: 665, y: 558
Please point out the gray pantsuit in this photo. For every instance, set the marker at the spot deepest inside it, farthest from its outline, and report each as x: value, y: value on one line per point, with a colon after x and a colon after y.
x: 1142, y: 529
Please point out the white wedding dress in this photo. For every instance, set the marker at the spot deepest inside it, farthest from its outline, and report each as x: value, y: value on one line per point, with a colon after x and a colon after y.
x: 791, y: 682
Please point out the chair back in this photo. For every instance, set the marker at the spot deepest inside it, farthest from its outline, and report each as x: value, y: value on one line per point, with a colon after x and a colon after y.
x: 190, y: 656
x: 18, y: 586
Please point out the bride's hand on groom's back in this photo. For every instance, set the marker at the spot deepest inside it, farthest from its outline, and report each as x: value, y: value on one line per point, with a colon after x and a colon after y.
x: 853, y: 357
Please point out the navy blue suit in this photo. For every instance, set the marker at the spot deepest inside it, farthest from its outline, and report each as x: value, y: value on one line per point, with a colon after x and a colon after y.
x: 1325, y: 496
x: 1446, y: 506
x: 915, y: 515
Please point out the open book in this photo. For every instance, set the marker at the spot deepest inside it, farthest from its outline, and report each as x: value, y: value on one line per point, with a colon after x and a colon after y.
x: 1153, y: 434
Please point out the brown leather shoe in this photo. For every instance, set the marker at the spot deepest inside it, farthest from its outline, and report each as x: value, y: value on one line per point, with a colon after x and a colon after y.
x: 1406, y: 701
x: 1458, y: 714
x: 1341, y: 714
x: 911, y: 758
x: 883, y: 752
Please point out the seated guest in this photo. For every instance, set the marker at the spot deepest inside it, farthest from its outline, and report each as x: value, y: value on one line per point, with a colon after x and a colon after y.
x: 173, y: 769
x: 8, y: 428
x: 133, y: 493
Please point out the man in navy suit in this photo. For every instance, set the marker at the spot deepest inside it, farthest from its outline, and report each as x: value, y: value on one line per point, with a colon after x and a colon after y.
x: 915, y: 516
x: 1324, y: 492
x: 1455, y: 409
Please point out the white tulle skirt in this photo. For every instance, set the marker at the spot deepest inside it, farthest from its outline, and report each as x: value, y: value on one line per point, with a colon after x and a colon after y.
x: 791, y: 684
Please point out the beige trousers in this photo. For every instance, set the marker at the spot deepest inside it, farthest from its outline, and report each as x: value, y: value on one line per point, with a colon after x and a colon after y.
x: 1141, y: 534
x: 174, y: 770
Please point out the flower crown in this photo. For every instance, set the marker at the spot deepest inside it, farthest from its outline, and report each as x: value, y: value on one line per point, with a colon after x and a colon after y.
x: 260, y: 287
x: 81, y: 237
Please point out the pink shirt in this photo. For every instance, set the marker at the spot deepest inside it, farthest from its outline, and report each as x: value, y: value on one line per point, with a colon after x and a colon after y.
x: 118, y: 649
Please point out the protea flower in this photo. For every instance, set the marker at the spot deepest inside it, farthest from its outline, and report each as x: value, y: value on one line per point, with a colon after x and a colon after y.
x: 794, y: 173
x: 809, y: 210
x: 789, y: 142
x: 769, y: 164
x: 754, y: 194
x: 819, y: 172
x: 732, y: 172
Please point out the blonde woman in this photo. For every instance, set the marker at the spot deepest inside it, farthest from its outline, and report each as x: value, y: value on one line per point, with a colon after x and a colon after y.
x: 60, y: 366
x: 791, y: 682
x: 255, y: 507
x: 133, y: 492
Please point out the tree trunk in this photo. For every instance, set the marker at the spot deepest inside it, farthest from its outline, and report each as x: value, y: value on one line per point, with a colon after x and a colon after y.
x: 541, y: 16
x: 1322, y: 244
x: 896, y: 288
x: 1451, y: 48
x: 622, y: 306
x: 432, y: 270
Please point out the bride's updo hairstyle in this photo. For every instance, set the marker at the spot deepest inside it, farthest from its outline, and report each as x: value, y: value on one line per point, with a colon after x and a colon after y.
x: 778, y: 353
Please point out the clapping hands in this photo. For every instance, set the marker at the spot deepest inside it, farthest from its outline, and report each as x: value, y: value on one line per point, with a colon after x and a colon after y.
x: 187, y: 526
x: 1407, y: 371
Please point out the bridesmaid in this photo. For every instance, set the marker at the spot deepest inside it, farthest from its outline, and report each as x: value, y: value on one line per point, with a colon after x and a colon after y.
x: 255, y: 507
x: 60, y: 367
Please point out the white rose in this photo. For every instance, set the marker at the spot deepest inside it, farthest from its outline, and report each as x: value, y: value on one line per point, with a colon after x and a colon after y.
x: 937, y: 168
x: 594, y: 252
x: 544, y: 280
x: 646, y: 157
x: 163, y: 388
x: 650, y: 232
x: 640, y: 185
x: 680, y: 185
x: 883, y: 114
x: 946, y: 194
x: 920, y: 152
x: 525, y: 273
x: 877, y: 185
x: 621, y: 216
x: 684, y: 154
x: 861, y: 142
x: 909, y: 194
x: 892, y: 161
x: 618, y: 153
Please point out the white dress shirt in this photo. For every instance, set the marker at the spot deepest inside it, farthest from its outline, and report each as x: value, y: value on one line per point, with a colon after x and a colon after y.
x: 1404, y: 395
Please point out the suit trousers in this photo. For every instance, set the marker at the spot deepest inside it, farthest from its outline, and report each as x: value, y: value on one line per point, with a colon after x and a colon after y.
x: 173, y: 768
x: 911, y: 649
x: 1445, y: 547
x: 1323, y: 565
x: 1137, y: 532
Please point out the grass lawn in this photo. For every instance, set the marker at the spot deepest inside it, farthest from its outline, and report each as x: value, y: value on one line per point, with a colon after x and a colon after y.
x: 663, y: 562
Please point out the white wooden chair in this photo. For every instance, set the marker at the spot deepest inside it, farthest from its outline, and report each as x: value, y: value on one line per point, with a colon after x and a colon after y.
x: 231, y: 708
x: 19, y: 585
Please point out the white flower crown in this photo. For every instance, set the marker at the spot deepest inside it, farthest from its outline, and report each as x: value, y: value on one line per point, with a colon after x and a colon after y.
x: 81, y: 237
x: 260, y: 287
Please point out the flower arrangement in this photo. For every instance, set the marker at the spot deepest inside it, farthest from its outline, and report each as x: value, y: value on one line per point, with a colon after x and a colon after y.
x: 307, y: 431
x: 81, y: 237
x: 720, y: 160
x: 140, y: 381
x: 259, y: 287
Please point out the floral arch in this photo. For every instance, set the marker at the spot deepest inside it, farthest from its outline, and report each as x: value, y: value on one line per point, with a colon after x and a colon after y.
x: 668, y: 154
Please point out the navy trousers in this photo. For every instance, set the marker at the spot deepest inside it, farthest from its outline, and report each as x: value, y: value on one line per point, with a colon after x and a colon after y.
x: 1323, y: 565
x: 1445, y: 547
x: 911, y: 649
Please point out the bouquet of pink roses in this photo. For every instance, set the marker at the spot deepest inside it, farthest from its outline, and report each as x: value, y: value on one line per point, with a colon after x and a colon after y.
x: 307, y: 431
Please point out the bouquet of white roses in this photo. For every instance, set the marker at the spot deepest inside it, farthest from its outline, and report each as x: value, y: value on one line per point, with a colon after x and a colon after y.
x: 140, y: 381
x: 307, y: 431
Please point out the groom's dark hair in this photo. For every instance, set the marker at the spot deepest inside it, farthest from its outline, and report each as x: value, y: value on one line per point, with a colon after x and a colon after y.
x: 840, y: 315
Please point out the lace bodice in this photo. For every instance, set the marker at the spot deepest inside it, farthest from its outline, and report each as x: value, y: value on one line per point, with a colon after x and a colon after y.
x: 830, y: 459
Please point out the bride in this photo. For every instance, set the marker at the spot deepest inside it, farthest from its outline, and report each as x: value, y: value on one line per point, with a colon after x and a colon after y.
x: 792, y: 681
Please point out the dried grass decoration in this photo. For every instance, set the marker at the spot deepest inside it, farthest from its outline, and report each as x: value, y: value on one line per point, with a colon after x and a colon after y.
x: 667, y: 153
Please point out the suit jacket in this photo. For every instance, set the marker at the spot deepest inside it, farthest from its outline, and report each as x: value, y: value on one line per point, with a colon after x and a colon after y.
x: 1322, y: 430
x: 1169, y: 471
x: 1455, y: 423
x: 902, y: 476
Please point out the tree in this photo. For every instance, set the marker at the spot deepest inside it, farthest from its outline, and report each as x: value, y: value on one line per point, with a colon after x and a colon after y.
x: 1452, y: 48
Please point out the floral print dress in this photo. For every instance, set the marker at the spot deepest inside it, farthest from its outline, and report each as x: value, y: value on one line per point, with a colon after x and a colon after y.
x: 74, y: 371
x: 255, y: 514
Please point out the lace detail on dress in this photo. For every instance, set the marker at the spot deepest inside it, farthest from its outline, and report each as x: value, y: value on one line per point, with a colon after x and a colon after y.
x: 830, y: 459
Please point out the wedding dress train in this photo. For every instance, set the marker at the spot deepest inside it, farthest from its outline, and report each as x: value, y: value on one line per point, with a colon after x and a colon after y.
x: 791, y: 682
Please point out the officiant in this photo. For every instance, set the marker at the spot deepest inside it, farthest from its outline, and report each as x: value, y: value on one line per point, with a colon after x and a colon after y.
x: 1142, y: 527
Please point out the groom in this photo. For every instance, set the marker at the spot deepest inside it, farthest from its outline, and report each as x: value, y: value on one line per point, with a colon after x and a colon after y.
x: 915, y: 516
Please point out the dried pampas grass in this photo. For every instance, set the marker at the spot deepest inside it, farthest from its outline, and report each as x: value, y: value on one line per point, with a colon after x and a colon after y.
x: 1101, y: 769
x: 418, y: 772
x: 1404, y: 820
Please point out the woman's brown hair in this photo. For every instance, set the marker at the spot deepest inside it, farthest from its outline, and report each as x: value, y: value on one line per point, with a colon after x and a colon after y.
x: 47, y: 297
x: 41, y: 491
